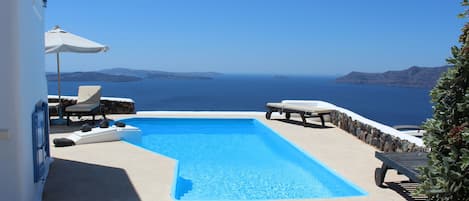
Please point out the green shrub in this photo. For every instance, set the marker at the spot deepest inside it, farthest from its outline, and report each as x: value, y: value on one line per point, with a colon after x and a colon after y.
x: 447, y: 174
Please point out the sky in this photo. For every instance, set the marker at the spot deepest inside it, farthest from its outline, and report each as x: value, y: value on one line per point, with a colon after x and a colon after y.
x: 281, y: 37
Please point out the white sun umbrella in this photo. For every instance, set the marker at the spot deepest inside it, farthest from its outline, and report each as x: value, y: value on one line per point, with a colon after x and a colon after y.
x: 57, y: 40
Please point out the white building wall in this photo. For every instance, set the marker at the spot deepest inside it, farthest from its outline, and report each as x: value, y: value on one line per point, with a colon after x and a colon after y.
x: 9, y: 185
x: 22, y: 84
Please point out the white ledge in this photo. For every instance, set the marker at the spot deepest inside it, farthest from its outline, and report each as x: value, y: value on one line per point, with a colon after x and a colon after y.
x: 102, y: 98
x: 383, y: 128
x: 202, y: 113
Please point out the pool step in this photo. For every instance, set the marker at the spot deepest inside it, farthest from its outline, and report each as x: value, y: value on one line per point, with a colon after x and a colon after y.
x: 183, y: 187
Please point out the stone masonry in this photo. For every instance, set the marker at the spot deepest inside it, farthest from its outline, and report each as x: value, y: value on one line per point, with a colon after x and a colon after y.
x: 372, y: 136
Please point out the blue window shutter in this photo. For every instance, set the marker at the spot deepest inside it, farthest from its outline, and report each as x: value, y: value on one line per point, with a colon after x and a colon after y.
x: 40, y: 137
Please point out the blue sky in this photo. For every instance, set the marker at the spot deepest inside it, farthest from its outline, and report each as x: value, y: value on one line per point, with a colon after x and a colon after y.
x: 302, y: 37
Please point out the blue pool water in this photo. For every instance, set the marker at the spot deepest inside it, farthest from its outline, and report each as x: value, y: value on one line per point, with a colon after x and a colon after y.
x: 236, y: 159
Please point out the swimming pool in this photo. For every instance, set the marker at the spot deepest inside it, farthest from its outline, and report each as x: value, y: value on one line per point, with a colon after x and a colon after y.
x: 237, y: 159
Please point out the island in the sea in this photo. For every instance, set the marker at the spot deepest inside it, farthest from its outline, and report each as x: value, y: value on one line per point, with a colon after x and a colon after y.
x: 128, y: 75
x: 422, y: 77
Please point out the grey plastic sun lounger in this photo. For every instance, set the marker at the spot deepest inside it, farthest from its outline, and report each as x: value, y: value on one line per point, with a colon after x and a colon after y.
x: 413, y: 130
x: 303, y: 110
x: 88, y: 103
x: 406, y: 163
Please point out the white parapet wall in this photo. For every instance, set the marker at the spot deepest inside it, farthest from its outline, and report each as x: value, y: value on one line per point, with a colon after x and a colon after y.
x: 110, y: 105
x: 125, y: 100
x: 227, y: 114
x: 356, y: 117
x: 22, y: 85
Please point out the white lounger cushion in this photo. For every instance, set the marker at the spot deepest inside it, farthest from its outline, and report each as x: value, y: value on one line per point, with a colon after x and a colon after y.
x: 299, y: 107
x: 313, y: 103
x: 276, y: 105
x: 304, y: 108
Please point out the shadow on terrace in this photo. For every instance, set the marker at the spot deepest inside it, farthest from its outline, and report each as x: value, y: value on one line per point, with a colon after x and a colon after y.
x: 77, y: 181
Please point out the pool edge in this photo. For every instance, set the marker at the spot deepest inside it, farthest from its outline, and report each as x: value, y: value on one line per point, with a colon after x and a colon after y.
x: 333, y: 172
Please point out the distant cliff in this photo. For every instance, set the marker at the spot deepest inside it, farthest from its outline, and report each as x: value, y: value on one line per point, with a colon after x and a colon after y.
x: 154, y: 74
x: 423, y: 77
x: 91, y: 76
x: 128, y: 75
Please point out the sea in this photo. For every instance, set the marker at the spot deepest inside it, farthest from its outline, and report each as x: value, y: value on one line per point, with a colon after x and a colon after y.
x: 384, y: 104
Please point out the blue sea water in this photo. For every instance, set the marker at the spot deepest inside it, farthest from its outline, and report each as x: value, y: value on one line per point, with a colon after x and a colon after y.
x: 388, y: 105
x: 236, y: 159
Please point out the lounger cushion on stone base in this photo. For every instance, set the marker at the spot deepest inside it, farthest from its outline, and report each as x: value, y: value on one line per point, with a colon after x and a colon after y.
x: 103, y: 134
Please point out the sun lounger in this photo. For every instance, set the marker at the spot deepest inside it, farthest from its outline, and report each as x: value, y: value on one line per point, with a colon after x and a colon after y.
x: 305, y: 111
x: 413, y: 130
x: 404, y: 163
x: 88, y: 103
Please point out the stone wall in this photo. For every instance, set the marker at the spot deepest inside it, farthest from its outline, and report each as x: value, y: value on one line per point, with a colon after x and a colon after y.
x: 373, y: 136
x: 110, y: 106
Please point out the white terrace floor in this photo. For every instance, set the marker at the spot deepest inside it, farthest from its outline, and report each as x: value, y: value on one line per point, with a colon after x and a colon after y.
x: 120, y: 171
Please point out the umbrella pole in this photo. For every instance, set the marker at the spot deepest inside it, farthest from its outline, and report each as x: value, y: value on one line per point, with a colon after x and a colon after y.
x: 60, y: 120
x: 59, y: 110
